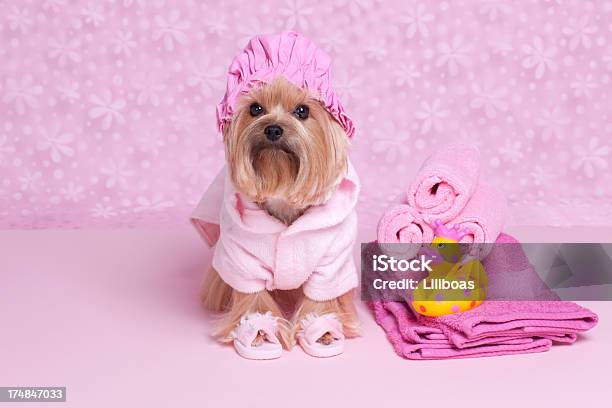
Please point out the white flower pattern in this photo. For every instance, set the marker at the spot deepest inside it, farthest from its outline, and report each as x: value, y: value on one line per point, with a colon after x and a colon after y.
x: 416, y: 21
x: 454, y: 54
x: 56, y: 142
x: 432, y: 116
x: 19, y: 19
x: 23, y: 93
x: 171, y: 30
x: 107, y: 109
x: 539, y: 57
x: 591, y: 158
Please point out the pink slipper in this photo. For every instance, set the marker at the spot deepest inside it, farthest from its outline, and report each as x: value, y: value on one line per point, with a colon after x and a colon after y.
x: 313, y: 327
x: 247, y: 330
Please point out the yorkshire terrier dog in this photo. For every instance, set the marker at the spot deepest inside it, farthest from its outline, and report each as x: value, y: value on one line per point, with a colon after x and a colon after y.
x: 283, y: 270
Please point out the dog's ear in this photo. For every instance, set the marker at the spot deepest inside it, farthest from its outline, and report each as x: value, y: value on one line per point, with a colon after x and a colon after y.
x: 328, y: 162
x: 338, y: 145
x: 226, y: 130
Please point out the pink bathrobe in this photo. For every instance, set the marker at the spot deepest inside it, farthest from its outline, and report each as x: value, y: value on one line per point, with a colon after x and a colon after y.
x: 255, y: 251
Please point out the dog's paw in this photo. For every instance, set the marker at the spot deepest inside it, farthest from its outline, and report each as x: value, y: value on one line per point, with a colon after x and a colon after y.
x: 259, y: 339
x: 326, y: 339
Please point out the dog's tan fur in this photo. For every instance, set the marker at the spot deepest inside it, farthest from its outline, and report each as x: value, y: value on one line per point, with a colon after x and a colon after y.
x: 284, y: 177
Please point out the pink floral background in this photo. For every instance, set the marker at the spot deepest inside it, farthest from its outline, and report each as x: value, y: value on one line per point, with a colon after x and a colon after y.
x: 107, y: 107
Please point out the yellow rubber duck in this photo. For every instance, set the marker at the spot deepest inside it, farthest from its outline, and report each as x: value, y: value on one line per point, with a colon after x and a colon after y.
x: 455, y: 283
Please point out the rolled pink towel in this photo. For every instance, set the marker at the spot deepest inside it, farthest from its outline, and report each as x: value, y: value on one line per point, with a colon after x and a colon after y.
x: 445, y: 182
x: 483, y: 216
x: 402, y: 224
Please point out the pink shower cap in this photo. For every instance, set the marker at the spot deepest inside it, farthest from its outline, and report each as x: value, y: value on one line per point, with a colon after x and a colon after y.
x: 290, y: 55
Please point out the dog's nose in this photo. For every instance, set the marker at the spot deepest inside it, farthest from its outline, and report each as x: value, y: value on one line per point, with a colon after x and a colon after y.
x: 273, y: 132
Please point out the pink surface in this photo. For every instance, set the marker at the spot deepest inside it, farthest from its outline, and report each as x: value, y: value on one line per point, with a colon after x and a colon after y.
x: 114, y: 316
x: 107, y: 109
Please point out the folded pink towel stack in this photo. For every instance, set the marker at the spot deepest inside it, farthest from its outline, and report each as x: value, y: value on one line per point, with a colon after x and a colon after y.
x: 445, y: 182
x: 447, y: 188
x: 440, y: 347
x: 559, y: 321
x: 495, y: 327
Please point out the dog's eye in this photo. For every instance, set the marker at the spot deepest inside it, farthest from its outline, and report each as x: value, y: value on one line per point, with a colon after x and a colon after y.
x: 301, y: 112
x: 255, y: 109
